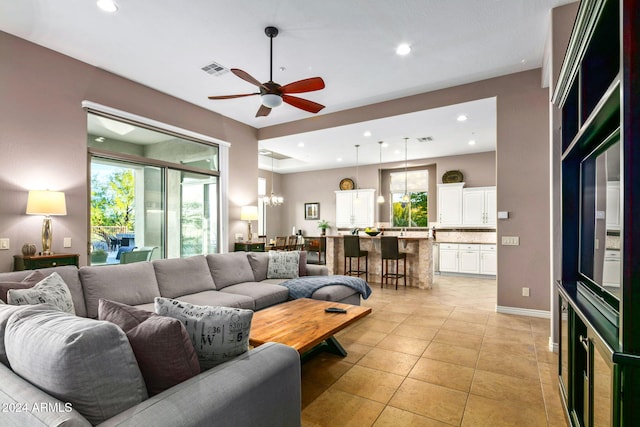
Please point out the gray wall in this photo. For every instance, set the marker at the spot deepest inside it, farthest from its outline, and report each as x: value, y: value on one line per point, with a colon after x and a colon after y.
x: 522, y: 171
x: 43, y: 137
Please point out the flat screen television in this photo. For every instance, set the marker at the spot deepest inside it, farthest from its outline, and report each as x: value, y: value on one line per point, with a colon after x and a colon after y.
x: 601, y: 220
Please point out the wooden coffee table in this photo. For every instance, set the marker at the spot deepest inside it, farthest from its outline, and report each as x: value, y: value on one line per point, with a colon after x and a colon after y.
x: 304, y: 325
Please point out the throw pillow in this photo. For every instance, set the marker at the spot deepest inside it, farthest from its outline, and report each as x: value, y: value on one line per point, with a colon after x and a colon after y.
x: 26, y: 283
x: 51, y: 290
x: 162, y: 347
x: 86, y: 362
x: 283, y: 265
x: 217, y: 333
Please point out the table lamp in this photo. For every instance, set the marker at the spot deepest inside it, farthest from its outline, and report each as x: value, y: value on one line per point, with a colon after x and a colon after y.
x: 249, y: 213
x: 47, y: 203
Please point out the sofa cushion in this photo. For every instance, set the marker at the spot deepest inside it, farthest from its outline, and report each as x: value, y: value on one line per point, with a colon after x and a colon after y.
x: 50, y: 290
x: 259, y: 262
x: 229, y: 269
x: 283, y: 265
x: 26, y: 283
x: 5, y: 312
x: 218, y: 333
x: 181, y: 276
x: 219, y: 298
x: 263, y: 294
x: 69, y: 274
x: 162, y: 347
x: 88, y: 363
x: 130, y: 284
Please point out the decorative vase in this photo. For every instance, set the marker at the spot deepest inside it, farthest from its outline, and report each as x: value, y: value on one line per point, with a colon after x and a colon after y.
x: 324, y: 232
x: 29, y: 249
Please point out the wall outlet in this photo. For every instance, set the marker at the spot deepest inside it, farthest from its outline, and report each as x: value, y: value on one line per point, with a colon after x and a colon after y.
x: 4, y: 244
x: 510, y: 241
x: 525, y: 292
x: 67, y: 242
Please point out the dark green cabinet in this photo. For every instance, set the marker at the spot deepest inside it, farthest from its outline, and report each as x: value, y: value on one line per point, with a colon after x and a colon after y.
x: 249, y: 247
x: 598, y: 92
x: 34, y: 262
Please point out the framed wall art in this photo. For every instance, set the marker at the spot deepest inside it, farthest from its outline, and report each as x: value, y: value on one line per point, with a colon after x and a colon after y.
x: 312, y: 210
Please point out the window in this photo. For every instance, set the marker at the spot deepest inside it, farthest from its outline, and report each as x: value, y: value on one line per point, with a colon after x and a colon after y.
x: 151, y: 190
x: 415, y: 213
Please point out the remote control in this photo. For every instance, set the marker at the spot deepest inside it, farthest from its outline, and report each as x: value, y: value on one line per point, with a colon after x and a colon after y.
x: 335, y: 310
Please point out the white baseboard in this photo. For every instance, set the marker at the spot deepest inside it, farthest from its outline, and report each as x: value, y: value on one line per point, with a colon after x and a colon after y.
x: 553, y: 346
x: 523, y: 312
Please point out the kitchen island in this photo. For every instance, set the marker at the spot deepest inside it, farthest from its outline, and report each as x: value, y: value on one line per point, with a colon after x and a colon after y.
x: 419, y: 258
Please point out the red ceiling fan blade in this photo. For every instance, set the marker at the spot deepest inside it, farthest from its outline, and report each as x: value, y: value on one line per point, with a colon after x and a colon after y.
x: 303, y: 104
x: 246, y: 76
x: 263, y: 111
x: 233, y: 96
x: 306, y: 85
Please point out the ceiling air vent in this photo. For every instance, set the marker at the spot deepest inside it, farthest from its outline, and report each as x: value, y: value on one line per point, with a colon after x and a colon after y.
x: 215, y: 69
x: 425, y: 139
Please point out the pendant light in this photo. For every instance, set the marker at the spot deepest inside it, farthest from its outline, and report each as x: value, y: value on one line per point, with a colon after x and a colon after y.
x: 357, y: 176
x: 380, y: 196
x: 405, y: 197
x: 273, y: 200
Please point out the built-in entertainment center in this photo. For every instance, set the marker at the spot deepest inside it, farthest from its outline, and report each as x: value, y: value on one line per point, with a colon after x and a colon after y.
x: 598, y: 92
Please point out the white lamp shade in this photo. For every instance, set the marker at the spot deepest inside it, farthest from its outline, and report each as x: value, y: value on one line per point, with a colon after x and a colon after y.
x: 45, y: 202
x: 270, y: 100
x: 249, y: 213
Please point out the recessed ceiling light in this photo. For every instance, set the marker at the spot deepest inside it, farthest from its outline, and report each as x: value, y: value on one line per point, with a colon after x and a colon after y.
x: 107, y: 5
x: 385, y: 145
x: 472, y: 142
x: 367, y: 134
x: 300, y: 144
x: 403, y: 49
x: 462, y: 118
x: 99, y: 139
x: 339, y: 159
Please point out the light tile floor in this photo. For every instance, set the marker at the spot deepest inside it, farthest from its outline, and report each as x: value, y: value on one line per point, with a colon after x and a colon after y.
x: 436, y: 357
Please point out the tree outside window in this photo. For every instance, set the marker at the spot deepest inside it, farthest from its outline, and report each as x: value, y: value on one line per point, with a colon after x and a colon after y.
x: 416, y: 212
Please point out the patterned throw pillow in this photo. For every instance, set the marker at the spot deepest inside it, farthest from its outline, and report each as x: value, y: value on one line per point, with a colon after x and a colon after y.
x: 26, y: 283
x: 283, y: 265
x: 163, y: 349
x: 217, y: 333
x: 51, y: 290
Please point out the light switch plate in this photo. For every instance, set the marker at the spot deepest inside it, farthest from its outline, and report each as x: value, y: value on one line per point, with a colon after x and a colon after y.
x: 4, y: 243
x: 503, y: 215
x: 67, y: 242
x: 510, y: 241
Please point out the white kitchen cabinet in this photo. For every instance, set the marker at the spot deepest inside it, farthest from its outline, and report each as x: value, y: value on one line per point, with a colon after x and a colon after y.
x: 479, y: 206
x: 613, y: 205
x: 450, y: 204
x: 355, y: 208
x: 449, y: 257
x: 469, y: 258
x: 488, y: 259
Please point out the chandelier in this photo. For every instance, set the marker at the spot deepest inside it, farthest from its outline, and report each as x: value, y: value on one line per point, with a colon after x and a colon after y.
x: 273, y: 200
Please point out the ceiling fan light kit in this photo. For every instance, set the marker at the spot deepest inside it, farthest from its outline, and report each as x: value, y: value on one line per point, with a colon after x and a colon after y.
x: 272, y: 94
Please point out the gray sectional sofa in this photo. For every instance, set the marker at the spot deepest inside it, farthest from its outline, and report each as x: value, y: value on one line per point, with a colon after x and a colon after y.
x: 259, y: 387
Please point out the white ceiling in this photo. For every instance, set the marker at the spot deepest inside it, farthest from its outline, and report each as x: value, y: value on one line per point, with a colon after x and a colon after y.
x: 164, y: 44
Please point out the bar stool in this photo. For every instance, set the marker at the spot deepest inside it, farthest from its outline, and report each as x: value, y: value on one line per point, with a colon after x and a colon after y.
x: 352, y: 250
x: 389, y: 251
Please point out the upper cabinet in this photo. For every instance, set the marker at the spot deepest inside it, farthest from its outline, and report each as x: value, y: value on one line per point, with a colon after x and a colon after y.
x: 355, y: 208
x: 450, y: 204
x: 467, y: 207
x: 479, y: 206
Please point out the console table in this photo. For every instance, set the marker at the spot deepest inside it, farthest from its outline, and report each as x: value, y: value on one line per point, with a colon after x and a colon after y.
x: 32, y: 262
x: 248, y: 247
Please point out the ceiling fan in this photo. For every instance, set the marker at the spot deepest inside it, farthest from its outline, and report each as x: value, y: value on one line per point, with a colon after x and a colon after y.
x: 272, y: 94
